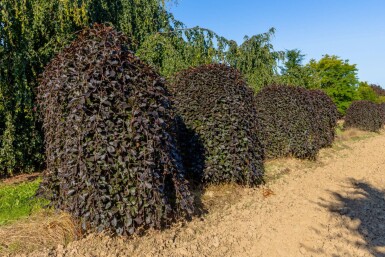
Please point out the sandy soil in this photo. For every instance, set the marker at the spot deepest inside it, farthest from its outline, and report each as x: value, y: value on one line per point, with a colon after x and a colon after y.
x: 334, y: 207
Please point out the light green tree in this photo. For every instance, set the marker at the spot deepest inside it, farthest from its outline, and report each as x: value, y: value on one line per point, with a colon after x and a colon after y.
x: 179, y: 48
x: 366, y: 92
x: 338, y: 79
x: 256, y: 59
x: 293, y: 72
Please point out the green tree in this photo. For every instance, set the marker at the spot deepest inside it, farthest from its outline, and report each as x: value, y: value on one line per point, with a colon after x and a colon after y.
x: 179, y: 48
x: 366, y: 92
x: 294, y: 73
x: 378, y: 89
x: 338, y: 79
x: 256, y: 59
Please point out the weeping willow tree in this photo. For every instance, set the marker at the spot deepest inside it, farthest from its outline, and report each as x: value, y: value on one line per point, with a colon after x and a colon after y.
x: 179, y: 48
x: 257, y: 59
x: 31, y: 32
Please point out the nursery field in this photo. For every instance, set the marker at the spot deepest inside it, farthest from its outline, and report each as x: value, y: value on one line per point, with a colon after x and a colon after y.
x: 125, y: 132
x: 329, y: 207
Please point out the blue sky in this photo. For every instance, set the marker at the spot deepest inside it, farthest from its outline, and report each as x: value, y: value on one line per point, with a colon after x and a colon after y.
x: 351, y: 29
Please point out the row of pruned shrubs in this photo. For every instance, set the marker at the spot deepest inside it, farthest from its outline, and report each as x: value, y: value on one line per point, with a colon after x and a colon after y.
x: 122, y: 144
x: 295, y: 121
x: 365, y: 115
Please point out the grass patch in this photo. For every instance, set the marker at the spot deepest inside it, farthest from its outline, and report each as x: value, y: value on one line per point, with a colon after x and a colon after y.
x: 18, y: 201
x: 45, y: 229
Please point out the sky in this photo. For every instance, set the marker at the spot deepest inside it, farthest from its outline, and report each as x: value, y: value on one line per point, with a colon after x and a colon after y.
x: 350, y: 29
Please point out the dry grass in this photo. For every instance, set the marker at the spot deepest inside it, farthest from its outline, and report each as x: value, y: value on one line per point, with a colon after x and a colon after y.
x: 217, y: 196
x: 44, y: 230
x: 353, y: 134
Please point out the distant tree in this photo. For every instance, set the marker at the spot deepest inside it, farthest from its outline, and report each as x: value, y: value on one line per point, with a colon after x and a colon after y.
x: 256, y: 59
x: 380, y: 92
x: 366, y: 92
x: 293, y: 60
x: 294, y: 73
x: 338, y: 79
x: 179, y: 47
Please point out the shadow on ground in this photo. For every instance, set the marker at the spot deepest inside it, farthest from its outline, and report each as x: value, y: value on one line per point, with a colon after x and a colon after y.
x: 364, y: 205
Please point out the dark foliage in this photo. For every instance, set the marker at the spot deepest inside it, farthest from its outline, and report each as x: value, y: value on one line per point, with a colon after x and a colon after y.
x: 110, y: 133
x: 378, y: 89
x: 295, y: 121
x: 364, y: 115
x: 382, y: 110
x: 219, y: 142
x: 324, y: 115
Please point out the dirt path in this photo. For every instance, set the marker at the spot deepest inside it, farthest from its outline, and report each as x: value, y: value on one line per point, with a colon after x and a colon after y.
x: 333, y: 209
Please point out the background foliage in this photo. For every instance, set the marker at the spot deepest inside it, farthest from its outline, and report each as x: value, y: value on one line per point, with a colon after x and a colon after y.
x: 366, y: 92
x: 338, y: 79
x: 180, y: 48
x: 294, y: 73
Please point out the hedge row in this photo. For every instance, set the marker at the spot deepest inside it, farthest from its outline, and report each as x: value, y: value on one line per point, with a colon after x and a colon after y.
x: 365, y: 115
x: 117, y: 152
x: 295, y: 121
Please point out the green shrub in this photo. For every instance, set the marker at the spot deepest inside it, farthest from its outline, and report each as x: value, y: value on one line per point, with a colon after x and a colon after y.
x: 295, y: 121
x: 364, y: 115
x: 218, y: 132
x: 112, y: 159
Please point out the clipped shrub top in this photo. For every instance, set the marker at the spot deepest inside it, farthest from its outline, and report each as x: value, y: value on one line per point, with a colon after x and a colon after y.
x: 219, y: 139
x: 109, y: 128
x: 295, y: 121
x: 364, y: 115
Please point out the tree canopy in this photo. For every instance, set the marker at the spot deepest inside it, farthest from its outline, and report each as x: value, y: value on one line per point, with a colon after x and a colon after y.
x: 366, y: 92
x: 293, y: 72
x: 338, y: 79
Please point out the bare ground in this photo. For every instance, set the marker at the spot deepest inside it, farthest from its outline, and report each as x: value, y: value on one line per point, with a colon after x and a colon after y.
x: 332, y: 207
